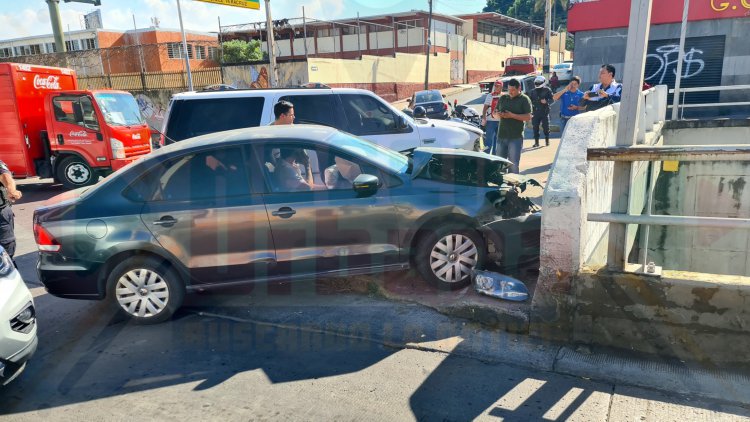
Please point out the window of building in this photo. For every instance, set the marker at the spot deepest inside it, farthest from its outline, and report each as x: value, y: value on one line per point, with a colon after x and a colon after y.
x: 6, y: 52
x: 72, y: 45
x: 213, y: 53
x: 50, y: 47
x: 174, y: 50
x: 89, y: 44
x: 200, y: 52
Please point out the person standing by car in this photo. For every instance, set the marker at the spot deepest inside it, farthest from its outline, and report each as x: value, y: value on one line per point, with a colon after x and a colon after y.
x: 8, y: 194
x: 606, y: 92
x: 489, y: 122
x: 541, y: 99
x: 571, y: 98
x: 513, y: 109
x: 554, y: 82
x: 283, y: 111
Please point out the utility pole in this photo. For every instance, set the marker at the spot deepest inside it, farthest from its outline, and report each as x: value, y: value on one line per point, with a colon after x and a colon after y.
x: 271, y: 42
x: 680, y: 59
x: 185, y: 50
x: 54, y: 15
x: 531, y: 32
x: 547, y: 29
x: 427, y: 67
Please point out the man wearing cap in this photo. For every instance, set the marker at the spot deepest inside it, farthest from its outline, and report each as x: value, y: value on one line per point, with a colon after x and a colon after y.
x: 489, y: 122
x: 541, y: 100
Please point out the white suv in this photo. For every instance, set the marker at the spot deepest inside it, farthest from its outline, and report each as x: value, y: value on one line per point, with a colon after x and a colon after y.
x: 18, y: 339
x: 357, y: 111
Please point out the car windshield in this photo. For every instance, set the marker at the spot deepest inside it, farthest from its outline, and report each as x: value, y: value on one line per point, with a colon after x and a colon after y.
x: 515, y: 62
x: 428, y: 97
x: 391, y: 160
x: 119, y: 109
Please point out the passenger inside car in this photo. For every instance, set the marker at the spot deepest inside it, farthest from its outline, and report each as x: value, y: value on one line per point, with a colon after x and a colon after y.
x: 342, y: 174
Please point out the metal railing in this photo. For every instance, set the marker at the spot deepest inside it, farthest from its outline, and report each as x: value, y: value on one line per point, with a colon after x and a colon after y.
x: 684, y: 91
x: 655, y: 154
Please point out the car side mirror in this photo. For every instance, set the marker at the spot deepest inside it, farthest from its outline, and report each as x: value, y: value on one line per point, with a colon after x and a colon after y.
x: 366, y: 184
x: 502, y: 63
x: 402, y: 123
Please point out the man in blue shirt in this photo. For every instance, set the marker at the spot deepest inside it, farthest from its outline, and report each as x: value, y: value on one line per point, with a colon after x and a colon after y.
x: 606, y: 92
x: 571, y: 98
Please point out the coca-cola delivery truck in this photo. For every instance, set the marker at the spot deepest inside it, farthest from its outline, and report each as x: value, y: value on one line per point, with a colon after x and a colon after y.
x: 50, y: 128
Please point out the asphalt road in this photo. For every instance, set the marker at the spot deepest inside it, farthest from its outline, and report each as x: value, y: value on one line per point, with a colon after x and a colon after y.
x: 301, y: 353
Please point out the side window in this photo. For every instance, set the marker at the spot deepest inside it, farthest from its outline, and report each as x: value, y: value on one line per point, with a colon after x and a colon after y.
x: 367, y: 115
x: 313, y: 109
x: 190, y: 118
x: 77, y: 110
x: 206, y: 175
x: 300, y: 168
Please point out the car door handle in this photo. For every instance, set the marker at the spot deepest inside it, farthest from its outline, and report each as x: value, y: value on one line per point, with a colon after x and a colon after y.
x: 284, y: 212
x: 166, y: 221
x: 429, y: 141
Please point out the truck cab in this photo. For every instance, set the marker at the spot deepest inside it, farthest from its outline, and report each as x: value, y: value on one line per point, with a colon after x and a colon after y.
x: 520, y: 65
x: 51, y: 128
x: 93, y: 133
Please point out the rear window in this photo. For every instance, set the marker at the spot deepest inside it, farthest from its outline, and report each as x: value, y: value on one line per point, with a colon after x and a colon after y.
x: 518, y: 62
x: 429, y: 97
x: 190, y: 118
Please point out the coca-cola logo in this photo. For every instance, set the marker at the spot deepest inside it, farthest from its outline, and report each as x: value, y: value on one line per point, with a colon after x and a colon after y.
x: 79, y: 134
x: 49, y: 82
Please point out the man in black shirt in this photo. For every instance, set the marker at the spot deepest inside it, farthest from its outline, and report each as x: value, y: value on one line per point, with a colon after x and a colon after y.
x: 541, y: 100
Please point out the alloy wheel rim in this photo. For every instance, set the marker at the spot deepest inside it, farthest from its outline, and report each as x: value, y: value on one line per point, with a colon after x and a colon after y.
x: 453, y: 257
x: 142, y: 293
x: 78, y: 173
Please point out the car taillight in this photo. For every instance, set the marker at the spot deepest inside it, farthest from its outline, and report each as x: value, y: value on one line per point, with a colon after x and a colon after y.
x: 445, y: 106
x: 46, y: 242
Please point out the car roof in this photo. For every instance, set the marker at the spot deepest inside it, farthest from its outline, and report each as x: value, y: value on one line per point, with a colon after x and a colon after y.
x: 241, y: 93
x: 303, y: 132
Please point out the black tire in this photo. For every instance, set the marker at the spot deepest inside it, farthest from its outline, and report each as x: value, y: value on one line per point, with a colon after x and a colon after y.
x: 149, y: 280
x: 74, y: 172
x: 429, y: 240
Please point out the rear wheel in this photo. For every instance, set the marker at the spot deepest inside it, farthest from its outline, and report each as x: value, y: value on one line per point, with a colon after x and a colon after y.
x: 145, y: 289
x: 446, y: 256
x: 74, y: 172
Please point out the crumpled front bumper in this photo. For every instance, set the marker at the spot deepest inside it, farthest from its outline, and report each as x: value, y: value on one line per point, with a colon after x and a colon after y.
x: 519, y: 237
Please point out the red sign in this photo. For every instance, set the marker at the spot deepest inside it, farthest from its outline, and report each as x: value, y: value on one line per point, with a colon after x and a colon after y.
x: 590, y: 15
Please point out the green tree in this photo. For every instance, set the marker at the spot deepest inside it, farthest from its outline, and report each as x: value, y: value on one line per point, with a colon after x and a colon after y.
x: 498, y: 6
x: 240, y: 51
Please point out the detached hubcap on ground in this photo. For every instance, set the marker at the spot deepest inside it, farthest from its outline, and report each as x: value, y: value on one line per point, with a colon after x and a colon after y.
x: 78, y: 173
x: 142, y: 293
x: 453, y: 258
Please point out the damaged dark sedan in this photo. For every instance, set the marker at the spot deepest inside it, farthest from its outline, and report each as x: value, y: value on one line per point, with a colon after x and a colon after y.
x: 280, y: 203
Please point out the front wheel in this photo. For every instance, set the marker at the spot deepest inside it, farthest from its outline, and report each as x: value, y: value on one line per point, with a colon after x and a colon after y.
x: 145, y: 289
x: 446, y: 256
x: 74, y: 172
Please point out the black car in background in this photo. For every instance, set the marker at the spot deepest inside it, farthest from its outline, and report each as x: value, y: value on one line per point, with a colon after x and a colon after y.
x: 279, y: 203
x: 433, y: 102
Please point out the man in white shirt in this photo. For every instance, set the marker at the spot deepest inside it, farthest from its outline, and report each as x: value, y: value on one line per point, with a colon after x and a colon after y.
x: 491, y: 123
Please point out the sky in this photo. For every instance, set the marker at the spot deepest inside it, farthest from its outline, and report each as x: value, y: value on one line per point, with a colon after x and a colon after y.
x: 22, y: 18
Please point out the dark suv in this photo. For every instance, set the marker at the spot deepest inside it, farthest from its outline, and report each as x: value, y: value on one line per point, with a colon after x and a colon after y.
x: 278, y: 202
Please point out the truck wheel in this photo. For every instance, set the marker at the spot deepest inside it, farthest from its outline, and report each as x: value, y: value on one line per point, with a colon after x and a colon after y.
x: 446, y: 255
x: 74, y: 172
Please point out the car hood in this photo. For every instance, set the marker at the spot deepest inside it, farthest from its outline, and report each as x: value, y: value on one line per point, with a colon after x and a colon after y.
x: 449, y: 123
x: 421, y: 157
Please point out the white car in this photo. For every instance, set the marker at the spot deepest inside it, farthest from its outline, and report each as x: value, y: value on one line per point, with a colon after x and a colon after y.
x: 18, y: 339
x: 357, y: 111
x: 564, y: 71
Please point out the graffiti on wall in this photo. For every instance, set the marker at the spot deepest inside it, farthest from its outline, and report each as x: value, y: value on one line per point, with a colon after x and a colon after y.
x: 257, y: 76
x: 151, y: 110
x: 702, y: 65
